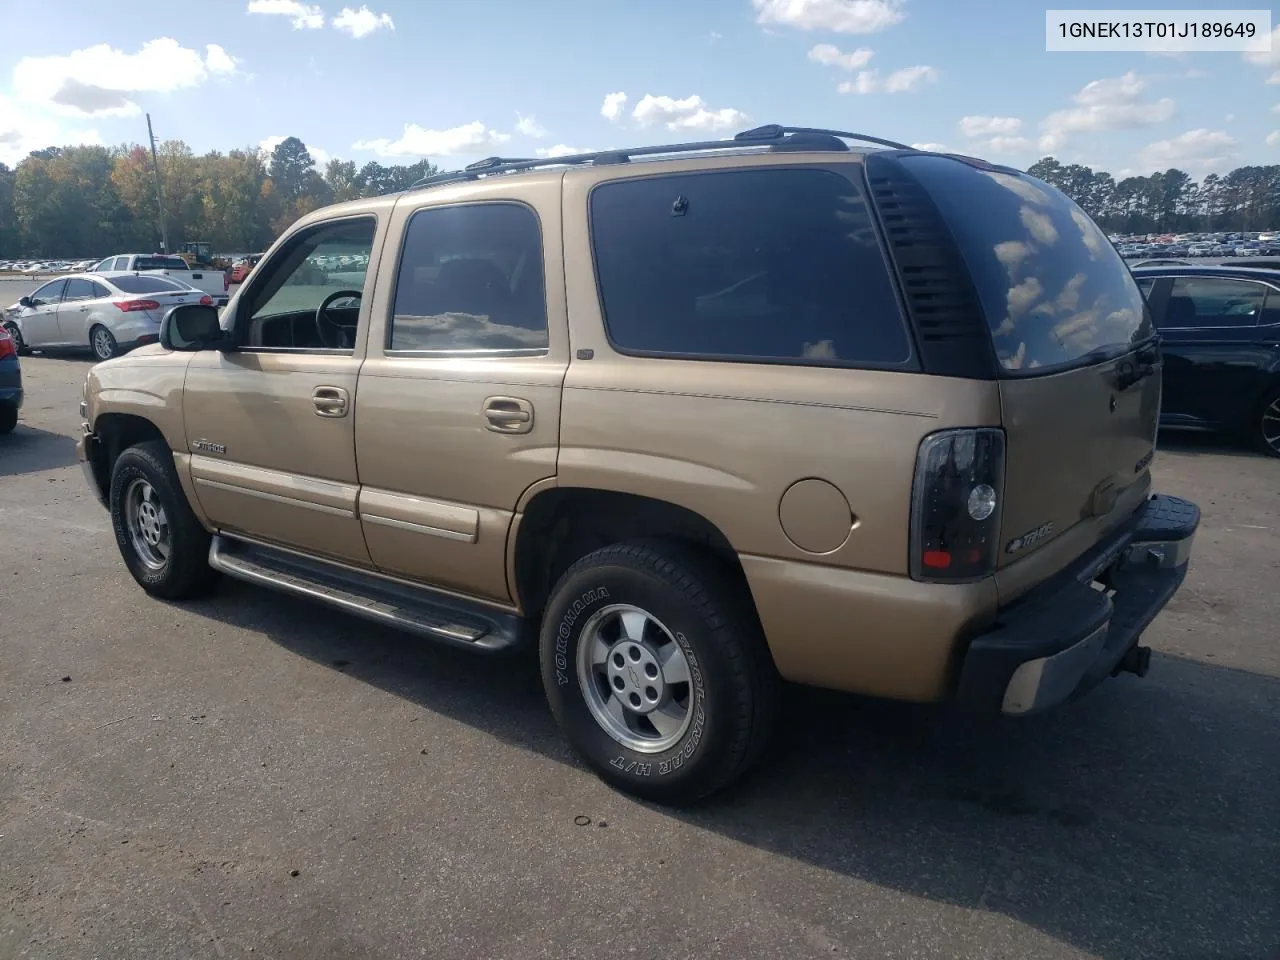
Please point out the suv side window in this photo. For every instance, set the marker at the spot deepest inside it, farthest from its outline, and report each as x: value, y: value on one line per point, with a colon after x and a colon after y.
x: 284, y: 300
x: 471, y: 278
x: 121, y: 263
x: 1198, y: 302
x: 772, y: 265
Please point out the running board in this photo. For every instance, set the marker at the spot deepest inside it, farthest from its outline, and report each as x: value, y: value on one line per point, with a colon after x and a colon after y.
x: 418, y: 610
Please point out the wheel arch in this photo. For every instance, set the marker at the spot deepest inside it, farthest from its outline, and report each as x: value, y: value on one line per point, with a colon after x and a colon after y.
x: 558, y: 525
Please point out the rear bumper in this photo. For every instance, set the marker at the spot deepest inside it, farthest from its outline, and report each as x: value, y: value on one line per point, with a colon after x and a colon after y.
x: 1067, y: 635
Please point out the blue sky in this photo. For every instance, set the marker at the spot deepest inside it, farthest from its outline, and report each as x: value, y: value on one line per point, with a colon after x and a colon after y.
x: 393, y: 80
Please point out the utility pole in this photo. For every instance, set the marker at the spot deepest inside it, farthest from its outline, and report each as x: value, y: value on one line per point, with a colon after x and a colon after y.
x: 155, y: 168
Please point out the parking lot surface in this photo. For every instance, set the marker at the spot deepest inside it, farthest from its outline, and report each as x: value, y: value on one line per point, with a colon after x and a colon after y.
x: 250, y: 775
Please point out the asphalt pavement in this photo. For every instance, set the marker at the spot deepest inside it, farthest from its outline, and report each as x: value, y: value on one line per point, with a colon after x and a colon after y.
x: 254, y: 776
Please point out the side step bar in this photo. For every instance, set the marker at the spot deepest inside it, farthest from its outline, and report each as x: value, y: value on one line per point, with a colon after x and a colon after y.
x: 417, y: 610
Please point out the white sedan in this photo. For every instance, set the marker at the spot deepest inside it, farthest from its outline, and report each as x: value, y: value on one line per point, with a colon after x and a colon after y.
x: 107, y: 313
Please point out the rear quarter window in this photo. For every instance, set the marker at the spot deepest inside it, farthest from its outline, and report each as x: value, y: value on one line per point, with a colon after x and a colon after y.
x: 1055, y: 292
x: 773, y: 265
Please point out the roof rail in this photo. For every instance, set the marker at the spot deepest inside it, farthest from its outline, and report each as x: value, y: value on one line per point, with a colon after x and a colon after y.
x: 773, y: 135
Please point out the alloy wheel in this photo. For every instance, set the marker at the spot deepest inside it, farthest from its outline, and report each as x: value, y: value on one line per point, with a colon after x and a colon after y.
x: 147, y: 524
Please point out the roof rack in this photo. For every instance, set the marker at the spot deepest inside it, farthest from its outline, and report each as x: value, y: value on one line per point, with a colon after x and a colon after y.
x: 774, y: 136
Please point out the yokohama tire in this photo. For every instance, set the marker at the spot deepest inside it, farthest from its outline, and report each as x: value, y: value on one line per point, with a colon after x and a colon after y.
x: 696, y: 607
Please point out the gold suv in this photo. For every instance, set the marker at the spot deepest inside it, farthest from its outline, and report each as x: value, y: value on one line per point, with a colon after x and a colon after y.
x: 696, y: 419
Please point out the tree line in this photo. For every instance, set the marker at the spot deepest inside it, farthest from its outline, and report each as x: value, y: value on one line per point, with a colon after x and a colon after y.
x: 93, y: 201
x: 1247, y: 198
x: 84, y: 201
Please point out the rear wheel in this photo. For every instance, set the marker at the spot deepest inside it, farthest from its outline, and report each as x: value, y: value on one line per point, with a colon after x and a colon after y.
x: 102, y: 342
x: 656, y: 670
x: 1267, y: 428
x: 15, y: 335
x: 163, y: 544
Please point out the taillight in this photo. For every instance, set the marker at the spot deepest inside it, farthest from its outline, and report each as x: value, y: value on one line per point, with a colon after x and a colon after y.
x: 955, y: 505
x: 206, y: 301
x: 132, y: 306
x: 7, y: 349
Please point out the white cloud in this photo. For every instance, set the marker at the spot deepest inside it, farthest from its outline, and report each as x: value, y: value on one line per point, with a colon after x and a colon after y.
x: 716, y: 35
x: 1229, y: 117
x: 1274, y: 79
x: 1113, y: 103
x: 1273, y: 138
x: 24, y: 128
x: 362, y: 22
x: 101, y: 81
x: 838, y: 16
x: 562, y: 150
x: 832, y: 56
x: 304, y: 16
x: 416, y: 141
x: 932, y: 147
x: 614, y: 104
x: 1194, y: 151
x: 218, y: 60
x: 529, y: 126
x: 1196, y: 74
x: 691, y: 113
x: 1000, y: 144
x: 984, y: 126
x: 1267, y: 58
x: 900, y: 81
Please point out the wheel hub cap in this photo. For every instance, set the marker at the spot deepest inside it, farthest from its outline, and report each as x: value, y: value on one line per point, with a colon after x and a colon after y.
x: 635, y: 678
x: 147, y: 524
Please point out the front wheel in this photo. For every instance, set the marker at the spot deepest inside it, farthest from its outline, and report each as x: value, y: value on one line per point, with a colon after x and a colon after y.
x: 163, y: 544
x: 15, y: 335
x: 656, y: 670
x: 102, y: 342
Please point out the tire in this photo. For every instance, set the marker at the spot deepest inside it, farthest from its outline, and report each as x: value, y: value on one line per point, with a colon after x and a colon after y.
x: 164, y: 546
x: 102, y: 343
x: 15, y: 334
x: 1266, y: 425
x: 8, y: 418
x: 694, y: 609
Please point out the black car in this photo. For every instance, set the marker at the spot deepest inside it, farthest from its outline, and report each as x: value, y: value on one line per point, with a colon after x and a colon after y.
x: 1220, y: 336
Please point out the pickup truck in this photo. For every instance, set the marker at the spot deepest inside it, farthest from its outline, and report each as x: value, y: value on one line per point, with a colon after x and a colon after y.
x: 212, y: 282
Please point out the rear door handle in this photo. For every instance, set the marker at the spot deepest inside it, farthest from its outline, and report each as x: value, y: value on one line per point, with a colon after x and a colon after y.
x: 330, y: 401
x: 508, y: 415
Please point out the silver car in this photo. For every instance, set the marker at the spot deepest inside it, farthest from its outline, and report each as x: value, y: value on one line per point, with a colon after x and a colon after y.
x: 109, y: 313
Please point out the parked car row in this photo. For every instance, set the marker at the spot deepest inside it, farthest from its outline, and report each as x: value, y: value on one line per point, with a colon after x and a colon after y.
x: 33, y: 267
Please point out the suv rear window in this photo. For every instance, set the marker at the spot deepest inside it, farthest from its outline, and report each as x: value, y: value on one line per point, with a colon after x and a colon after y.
x: 160, y: 263
x: 1055, y: 292
x: 778, y: 265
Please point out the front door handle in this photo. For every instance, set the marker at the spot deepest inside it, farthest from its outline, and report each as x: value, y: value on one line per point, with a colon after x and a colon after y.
x: 508, y: 415
x: 330, y: 401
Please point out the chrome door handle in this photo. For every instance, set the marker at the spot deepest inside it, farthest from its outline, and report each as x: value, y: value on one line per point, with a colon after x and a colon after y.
x: 508, y: 415
x: 330, y: 401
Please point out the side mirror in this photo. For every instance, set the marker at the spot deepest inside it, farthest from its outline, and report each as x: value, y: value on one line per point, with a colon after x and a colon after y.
x: 26, y: 302
x: 192, y: 327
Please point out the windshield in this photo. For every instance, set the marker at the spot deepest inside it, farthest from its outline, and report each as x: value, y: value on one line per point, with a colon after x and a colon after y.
x: 1054, y: 290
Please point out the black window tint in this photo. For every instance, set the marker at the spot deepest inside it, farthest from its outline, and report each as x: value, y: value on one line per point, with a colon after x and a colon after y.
x: 144, y: 284
x: 50, y: 292
x: 1054, y: 290
x: 1145, y: 284
x: 778, y: 264
x: 160, y: 263
x: 1213, y: 302
x: 99, y: 291
x: 78, y: 289
x: 470, y: 278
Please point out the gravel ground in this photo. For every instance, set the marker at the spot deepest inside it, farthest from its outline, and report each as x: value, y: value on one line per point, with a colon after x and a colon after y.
x: 250, y: 775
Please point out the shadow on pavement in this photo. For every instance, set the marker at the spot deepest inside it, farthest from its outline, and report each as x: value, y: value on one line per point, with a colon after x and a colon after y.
x: 1143, y: 821
x: 1198, y: 443
x: 31, y: 450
